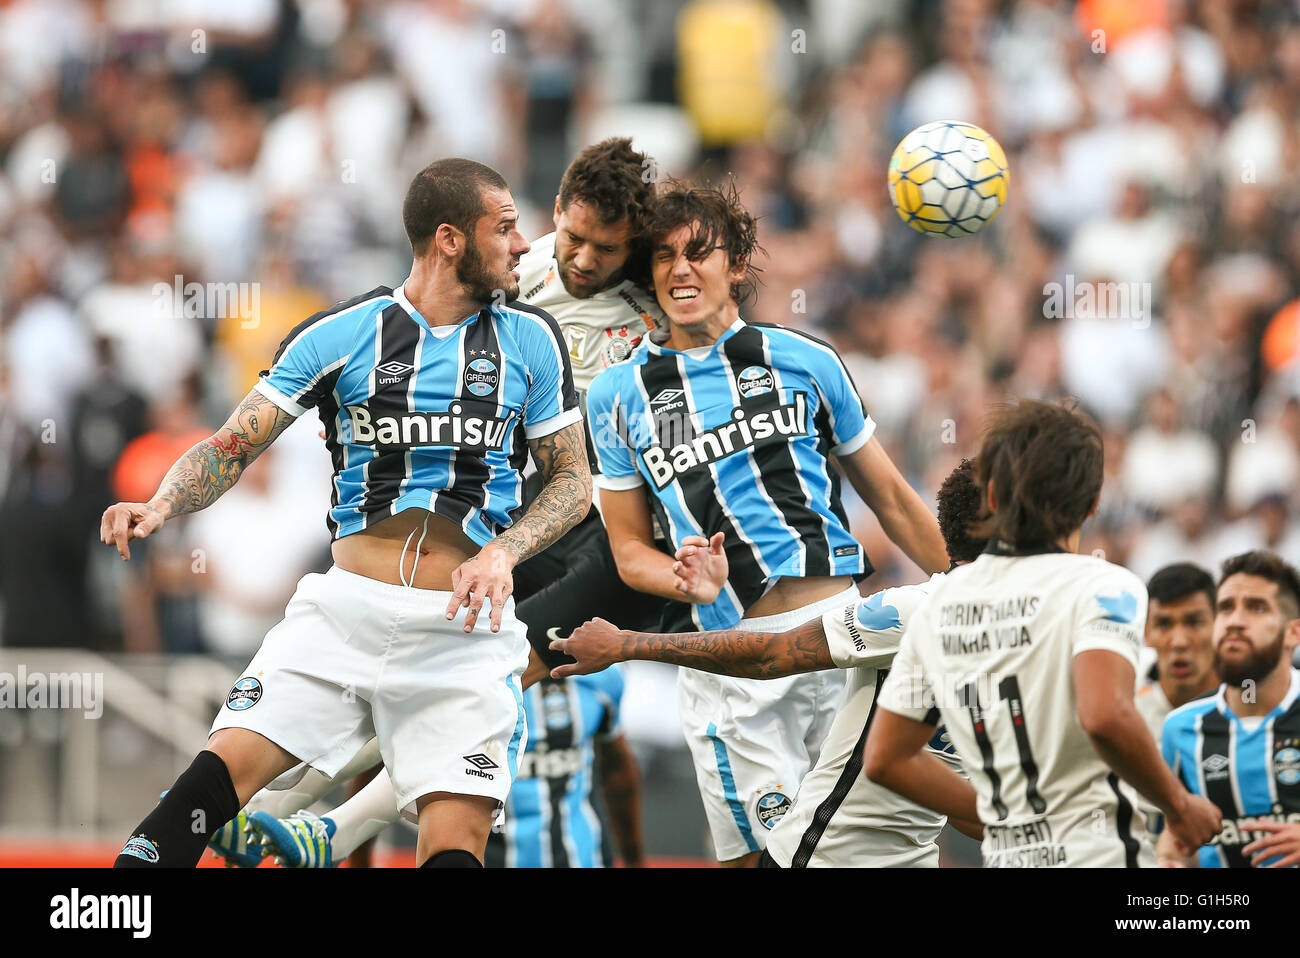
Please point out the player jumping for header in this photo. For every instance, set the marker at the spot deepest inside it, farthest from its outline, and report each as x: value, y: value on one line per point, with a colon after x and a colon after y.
x: 725, y: 432
x: 431, y: 395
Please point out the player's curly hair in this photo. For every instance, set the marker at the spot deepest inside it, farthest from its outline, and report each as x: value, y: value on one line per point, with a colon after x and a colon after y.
x: 619, y: 183
x: 614, y: 178
x: 959, y: 506
x: 717, y: 220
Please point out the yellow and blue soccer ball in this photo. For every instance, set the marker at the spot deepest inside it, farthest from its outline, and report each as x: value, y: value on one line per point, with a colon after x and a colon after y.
x: 948, y: 178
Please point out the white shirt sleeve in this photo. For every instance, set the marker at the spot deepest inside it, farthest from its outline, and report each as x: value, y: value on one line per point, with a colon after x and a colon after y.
x: 1111, y: 613
x: 907, y: 690
x: 867, y: 633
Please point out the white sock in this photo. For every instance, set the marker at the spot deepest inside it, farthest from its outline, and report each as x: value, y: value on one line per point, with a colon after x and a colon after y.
x: 313, y: 786
x: 363, y: 816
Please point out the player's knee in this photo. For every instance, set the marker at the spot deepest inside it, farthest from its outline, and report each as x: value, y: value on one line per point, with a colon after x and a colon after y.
x: 251, y: 759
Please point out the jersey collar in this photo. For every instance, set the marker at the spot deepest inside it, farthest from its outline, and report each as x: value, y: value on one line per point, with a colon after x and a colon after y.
x: 399, y: 294
x: 1000, y: 547
x: 697, y: 352
x: 1292, y: 693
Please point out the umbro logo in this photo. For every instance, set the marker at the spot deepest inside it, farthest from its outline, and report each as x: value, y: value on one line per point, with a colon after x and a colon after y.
x: 1216, y: 766
x: 481, y: 765
x: 667, y: 400
x: 392, y: 372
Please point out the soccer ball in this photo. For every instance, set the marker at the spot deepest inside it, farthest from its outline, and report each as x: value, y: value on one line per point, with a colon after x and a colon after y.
x: 948, y: 178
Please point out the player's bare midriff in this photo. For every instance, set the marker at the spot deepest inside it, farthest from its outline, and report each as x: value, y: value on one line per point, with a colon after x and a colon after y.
x: 792, y: 593
x: 387, y: 550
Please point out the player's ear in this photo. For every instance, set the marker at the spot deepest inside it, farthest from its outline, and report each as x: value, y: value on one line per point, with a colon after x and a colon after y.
x: 1095, y: 504
x: 1291, y: 637
x: 448, y: 240
x: 555, y: 214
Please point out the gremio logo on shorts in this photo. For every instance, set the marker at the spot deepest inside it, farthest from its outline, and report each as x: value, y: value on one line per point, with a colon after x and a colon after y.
x: 771, y: 807
x: 452, y: 428
x: 246, y: 693
x: 786, y: 421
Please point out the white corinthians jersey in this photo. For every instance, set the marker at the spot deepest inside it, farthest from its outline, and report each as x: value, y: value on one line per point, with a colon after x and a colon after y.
x: 991, y: 655
x: 840, y: 817
x: 600, y: 330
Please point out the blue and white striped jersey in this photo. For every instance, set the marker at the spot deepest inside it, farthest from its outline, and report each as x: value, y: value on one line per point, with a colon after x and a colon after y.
x: 429, y: 417
x: 1249, y: 772
x: 549, y: 820
x: 734, y: 438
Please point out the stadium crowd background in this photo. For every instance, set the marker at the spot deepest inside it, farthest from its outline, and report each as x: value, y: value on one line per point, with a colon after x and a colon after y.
x: 1153, y: 148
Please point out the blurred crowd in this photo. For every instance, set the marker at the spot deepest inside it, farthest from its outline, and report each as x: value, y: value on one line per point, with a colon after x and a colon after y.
x: 182, y: 182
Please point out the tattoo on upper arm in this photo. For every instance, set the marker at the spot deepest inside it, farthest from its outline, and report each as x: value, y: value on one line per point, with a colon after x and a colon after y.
x: 214, y: 465
x: 565, y: 497
x: 750, y: 655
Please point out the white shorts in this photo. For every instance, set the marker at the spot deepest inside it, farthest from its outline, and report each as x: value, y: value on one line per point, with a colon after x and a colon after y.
x: 355, y: 658
x: 753, y: 740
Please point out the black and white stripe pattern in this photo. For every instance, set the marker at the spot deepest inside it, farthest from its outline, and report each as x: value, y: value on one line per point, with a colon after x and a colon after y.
x: 1217, y: 735
x: 396, y: 337
x: 849, y: 776
x: 700, y: 496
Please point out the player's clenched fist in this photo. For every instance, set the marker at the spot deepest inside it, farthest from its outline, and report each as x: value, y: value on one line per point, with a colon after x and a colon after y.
x: 701, y: 568
x: 1195, y: 823
x: 126, y: 521
x: 594, y: 644
x: 489, y: 575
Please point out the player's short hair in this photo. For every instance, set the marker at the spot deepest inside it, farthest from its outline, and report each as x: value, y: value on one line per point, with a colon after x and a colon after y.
x: 614, y: 179
x: 1043, y: 464
x: 447, y: 191
x: 1180, y: 580
x: 717, y: 219
x: 959, y: 506
x: 1270, y: 566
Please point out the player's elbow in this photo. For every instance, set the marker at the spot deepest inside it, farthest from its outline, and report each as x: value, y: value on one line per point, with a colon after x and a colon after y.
x: 624, y: 561
x: 1100, y: 723
x: 877, y: 764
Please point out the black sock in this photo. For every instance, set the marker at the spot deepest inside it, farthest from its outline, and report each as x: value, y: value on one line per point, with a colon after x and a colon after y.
x: 174, y: 833
x: 452, y: 858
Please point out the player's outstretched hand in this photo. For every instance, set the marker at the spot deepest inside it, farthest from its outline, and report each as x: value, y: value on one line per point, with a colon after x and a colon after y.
x: 126, y: 521
x: 489, y: 575
x: 701, y: 568
x: 594, y: 644
x: 1283, y: 839
x: 1194, y: 823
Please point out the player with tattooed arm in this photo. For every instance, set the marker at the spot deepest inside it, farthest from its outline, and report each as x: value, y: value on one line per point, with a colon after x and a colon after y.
x: 432, y: 395
x: 837, y: 818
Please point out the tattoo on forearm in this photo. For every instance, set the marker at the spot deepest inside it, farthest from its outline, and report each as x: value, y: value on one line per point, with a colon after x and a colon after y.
x: 212, y: 466
x: 565, y: 497
x: 746, y: 655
